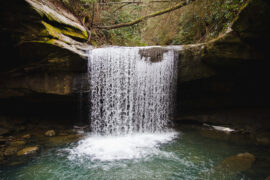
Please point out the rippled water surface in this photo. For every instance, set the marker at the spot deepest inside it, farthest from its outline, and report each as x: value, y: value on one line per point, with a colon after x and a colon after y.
x: 171, y: 155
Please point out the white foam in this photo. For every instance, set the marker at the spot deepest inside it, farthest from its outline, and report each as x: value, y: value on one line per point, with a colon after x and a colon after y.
x: 111, y: 148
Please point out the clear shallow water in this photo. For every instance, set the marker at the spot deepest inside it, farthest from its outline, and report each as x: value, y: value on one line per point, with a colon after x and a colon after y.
x: 173, y: 155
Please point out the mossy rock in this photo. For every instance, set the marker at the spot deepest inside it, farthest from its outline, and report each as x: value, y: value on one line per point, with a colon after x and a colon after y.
x: 37, y: 22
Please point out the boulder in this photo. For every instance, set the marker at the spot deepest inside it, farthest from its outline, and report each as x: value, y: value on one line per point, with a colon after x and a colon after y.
x: 26, y: 136
x: 50, y: 133
x: 232, y: 165
x: 28, y: 150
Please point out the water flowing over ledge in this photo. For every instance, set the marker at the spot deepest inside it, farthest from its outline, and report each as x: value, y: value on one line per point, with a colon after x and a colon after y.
x: 131, y: 91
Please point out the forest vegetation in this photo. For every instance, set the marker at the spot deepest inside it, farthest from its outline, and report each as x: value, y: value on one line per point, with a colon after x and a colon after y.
x: 192, y: 22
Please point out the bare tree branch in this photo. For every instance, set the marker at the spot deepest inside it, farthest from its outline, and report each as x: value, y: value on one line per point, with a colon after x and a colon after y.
x: 121, y: 7
x: 136, y: 21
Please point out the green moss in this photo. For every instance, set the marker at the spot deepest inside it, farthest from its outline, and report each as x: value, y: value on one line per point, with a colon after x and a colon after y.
x: 46, y: 41
x: 71, y: 33
x: 85, y: 34
x: 57, y: 33
x: 53, y: 31
x: 94, y: 43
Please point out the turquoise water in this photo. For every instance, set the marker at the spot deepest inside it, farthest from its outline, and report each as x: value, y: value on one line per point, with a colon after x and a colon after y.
x: 173, y: 155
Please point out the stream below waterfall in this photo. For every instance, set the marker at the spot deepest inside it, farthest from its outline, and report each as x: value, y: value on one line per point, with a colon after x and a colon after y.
x: 181, y: 154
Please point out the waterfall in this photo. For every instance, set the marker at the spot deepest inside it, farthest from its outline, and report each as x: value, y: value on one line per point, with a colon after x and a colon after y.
x: 132, y: 92
x: 131, y: 89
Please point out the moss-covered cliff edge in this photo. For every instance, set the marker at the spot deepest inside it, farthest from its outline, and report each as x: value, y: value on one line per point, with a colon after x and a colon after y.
x: 43, y: 46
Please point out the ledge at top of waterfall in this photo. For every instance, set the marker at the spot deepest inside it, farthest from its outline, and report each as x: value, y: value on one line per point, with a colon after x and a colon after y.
x: 132, y: 89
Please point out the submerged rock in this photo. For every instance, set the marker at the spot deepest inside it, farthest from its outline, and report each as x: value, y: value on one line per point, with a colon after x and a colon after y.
x: 240, y: 162
x: 28, y: 150
x: 214, y: 134
x: 50, y: 133
x: 16, y: 163
x: 64, y: 139
x: 232, y: 165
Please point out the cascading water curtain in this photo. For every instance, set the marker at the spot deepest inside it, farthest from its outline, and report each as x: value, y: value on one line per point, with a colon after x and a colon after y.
x: 129, y: 93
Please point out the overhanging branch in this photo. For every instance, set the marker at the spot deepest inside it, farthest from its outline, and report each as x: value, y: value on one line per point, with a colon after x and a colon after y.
x: 136, y: 21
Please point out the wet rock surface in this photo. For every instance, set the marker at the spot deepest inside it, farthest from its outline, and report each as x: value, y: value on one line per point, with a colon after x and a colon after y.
x: 258, y: 137
x: 50, y: 133
x: 233, y: 165
x: 154, y: 54
x: 28, y: 150
x: 15, y: 147
x: 26, y: 136
x: 245, y: 120
x: 63, y: 139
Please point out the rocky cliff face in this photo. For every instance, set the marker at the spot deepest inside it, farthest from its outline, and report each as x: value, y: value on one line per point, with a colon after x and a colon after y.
x: 43, y: 46
x: 230, y: 71
x: 43, y: 53
x: 244, y: 42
